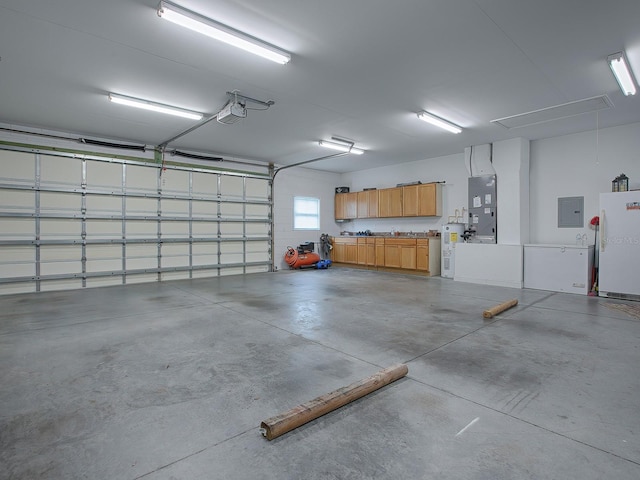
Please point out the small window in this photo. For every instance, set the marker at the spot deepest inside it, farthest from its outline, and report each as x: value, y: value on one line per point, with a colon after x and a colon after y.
x: 306, y: 213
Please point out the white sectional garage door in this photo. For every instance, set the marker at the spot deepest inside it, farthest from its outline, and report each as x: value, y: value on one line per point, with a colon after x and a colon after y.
x: 69, y: 222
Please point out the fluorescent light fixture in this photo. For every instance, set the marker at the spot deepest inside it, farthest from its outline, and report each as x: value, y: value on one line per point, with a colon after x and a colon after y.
x: 620, y: 68
x: 341, y: 147
x: 206, y: 26
x: 154, y: 107
x: 439, y: 122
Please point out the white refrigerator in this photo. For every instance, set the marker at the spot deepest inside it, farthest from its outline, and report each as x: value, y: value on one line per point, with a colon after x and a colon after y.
x: 619, y: 245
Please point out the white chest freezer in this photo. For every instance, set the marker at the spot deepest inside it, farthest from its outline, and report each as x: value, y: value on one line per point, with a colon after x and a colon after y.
x: 558, y: 268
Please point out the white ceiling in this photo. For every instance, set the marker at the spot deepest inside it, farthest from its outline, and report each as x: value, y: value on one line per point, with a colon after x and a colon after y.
x: 360, y: 69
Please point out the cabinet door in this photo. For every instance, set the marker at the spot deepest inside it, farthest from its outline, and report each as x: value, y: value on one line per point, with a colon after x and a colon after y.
x: 384, y: 203
x: 371, y: 254
x: 392, y: 256
x: 422, y: 255
x: 390, y: 202
x: 363, y: 204
x: 379, y: 252
x: 408, y: 257
x: 430, y: 200
x: 351, y: 253
x: 410, y: 200
x: 339, y: 202
x: 362, y: 252
x: 337, y: 253
x: 373, y: 203
x: 351, y: 205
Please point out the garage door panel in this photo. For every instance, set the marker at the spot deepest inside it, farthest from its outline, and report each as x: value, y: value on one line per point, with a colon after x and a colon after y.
x: 231, y: 210
x: 175, y: 255
x: 175, y: 229
x: 104, y: 205
x: 257, y: 189
x: 204, y: 230
x: 231, y: 252
x: 231, y: 186
x: 142, y: 179
x: 231, y: 229
x: 204, y: 209
x: 18, y: 201
x: 17, y: 229
x: 141, y: 229
x: 54, y: 202
x: 16, y: 269
x: 60, y: 259
x: 60, y: 171
x: 18, y: 167
x: 94, y: 282
x: 175, y: 208
x: 205, y: 184
x: 102, y: 175
x: 142, y: 206
x: 59, y: 229
x: 142, y: 278
x: 257, y: 211
x: 104, y: 258
x: 114, y: 220
x: 175, y: 182
x: 257, y: 230
x: 56, y: 285
x: 103, y: 229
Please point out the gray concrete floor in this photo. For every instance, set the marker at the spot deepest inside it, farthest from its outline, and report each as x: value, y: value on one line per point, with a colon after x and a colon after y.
x: 171, y: 381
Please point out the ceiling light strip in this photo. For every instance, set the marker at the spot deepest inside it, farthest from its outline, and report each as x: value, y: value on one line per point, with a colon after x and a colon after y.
x: 206, y: 26
x: 154, y: 107
x: 620, y: 67
x: 341, y: 147
x: 439, y: 122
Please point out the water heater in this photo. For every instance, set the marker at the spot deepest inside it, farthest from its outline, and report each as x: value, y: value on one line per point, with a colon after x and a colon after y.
x: 451, y: 234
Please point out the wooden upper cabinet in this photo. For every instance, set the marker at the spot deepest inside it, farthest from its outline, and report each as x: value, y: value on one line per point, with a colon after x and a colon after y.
x: 346, y: 205
x: 351, y: 205
x: 390, y: 202
x: 430, y: 200
x: 339, y: 213
x: 368, y: 204
x: 410, y: 200
x: 422, y: 200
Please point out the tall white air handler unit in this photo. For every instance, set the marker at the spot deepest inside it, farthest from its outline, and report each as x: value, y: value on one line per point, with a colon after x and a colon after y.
x: 451, y: 234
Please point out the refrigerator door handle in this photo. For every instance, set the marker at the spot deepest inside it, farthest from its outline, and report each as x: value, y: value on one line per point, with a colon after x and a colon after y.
x: 602, y: 234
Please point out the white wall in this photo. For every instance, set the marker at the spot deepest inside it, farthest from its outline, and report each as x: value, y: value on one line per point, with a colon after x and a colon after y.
x: 449, y: 168
x: 582, y: 164
x: 511, y: 163
x: 304, y: 182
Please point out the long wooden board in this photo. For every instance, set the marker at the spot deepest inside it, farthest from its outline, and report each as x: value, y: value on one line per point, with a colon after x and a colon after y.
x: 491, y: 312
x: 304, y: 413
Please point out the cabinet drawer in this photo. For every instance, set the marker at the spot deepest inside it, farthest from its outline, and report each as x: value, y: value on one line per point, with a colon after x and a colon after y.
x: 400, y: 241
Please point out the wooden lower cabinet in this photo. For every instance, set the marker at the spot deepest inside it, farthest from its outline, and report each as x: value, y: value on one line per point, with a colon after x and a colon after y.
x: 379, y: 246
x: 385, y: 252
x: 400, y: 253
x: 345, y: 250
x: 366, y: 254
x: 351, y: 253
x: 362, y: 251
x: 422, y: 254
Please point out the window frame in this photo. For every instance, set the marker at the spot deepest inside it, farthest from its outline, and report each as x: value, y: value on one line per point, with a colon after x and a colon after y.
x: 297, y: 214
